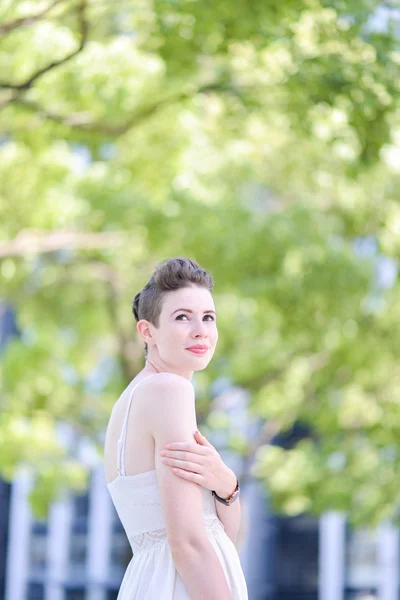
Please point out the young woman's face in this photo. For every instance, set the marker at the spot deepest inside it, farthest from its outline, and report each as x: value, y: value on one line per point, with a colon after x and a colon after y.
x: 187, y: 319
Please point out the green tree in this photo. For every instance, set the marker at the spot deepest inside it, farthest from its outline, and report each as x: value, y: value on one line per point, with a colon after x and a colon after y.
x: 261, y: 140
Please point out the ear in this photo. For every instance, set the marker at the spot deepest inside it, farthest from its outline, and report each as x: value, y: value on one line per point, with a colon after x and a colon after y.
x: 144, y: 330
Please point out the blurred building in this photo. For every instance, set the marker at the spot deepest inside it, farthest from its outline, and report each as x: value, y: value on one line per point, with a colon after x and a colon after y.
x: 81, y: 551
x: 5, y: 489
x: 8, y: 329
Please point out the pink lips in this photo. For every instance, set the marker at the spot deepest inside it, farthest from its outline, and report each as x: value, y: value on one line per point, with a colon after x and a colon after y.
x: 198, y: 349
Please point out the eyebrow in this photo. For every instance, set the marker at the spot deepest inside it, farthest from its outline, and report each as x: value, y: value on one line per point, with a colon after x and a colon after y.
x: 190, y: 311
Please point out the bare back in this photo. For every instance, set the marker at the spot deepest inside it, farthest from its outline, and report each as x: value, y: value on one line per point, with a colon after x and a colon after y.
x: 139, y: 443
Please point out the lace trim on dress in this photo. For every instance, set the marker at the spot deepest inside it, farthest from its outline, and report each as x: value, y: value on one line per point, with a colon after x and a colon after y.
x: 143, y: 542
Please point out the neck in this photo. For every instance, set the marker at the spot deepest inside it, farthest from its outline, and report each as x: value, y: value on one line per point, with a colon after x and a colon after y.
x: 156, y: 366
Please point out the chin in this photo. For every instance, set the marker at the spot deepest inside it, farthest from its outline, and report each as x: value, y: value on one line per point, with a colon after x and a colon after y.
x: 199, y: 365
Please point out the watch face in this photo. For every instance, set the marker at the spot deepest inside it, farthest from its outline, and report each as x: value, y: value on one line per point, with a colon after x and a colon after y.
x: 235, y: 494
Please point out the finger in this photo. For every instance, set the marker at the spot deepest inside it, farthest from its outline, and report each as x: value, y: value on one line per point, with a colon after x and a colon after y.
x: 182, y: 464
x: 189, y: 476
x: 179, y: 445
x: 196, y: 457
x: 202, y: 439
x: 195, y: 448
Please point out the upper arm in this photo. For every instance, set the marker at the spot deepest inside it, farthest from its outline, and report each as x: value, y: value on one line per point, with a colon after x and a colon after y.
x: 172, y: 418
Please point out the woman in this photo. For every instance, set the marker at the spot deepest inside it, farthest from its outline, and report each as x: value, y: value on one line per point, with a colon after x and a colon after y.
x: 172, y: 505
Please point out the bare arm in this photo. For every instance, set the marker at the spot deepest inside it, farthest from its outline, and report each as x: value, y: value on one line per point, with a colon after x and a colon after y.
x: 171, y: 418
x: 229, y: 515
x: 193, y: 563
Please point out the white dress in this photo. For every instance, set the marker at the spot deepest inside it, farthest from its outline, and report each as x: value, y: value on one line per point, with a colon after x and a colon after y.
x: 151, y: 573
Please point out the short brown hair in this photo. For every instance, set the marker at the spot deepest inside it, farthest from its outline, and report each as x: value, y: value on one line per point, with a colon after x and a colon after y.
x: 169, y: 275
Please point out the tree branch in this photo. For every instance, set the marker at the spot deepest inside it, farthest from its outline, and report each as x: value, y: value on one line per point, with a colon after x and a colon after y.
x: 83, y: 122
x: 31, y: 242
x: 17, y: 89
x: 123, y: 355
x: 129, y: 352
x: 21, y: 22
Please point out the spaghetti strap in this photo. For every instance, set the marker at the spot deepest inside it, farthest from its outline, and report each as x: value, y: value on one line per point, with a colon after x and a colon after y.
x: 121, y: 441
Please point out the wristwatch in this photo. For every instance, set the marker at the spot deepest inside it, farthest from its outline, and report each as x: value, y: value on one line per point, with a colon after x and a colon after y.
x: 231, y: 499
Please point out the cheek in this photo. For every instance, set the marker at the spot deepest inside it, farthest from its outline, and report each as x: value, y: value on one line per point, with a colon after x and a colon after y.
x: 175, y: 334
x: 214, y: 334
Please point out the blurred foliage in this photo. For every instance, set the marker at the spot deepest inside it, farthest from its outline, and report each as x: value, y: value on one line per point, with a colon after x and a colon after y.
x: 261, y: 139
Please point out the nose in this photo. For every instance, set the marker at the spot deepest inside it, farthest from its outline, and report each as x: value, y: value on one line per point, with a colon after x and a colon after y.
x: 201, y: 335
x: 200, y: 330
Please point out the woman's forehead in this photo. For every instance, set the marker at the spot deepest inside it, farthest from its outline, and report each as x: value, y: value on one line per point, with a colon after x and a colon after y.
x: 196, y: 299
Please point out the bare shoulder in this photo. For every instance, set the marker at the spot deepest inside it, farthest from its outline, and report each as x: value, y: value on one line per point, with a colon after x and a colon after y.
x: 168, y: 402
x: 164, y: 384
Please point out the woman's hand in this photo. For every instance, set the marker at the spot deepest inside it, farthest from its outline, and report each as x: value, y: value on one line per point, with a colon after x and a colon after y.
x: 201, y: 463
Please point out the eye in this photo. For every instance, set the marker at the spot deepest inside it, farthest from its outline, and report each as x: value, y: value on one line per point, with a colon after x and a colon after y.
x: 182, y: 315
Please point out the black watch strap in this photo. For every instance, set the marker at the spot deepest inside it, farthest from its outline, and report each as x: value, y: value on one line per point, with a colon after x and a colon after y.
x: 231, y: 499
